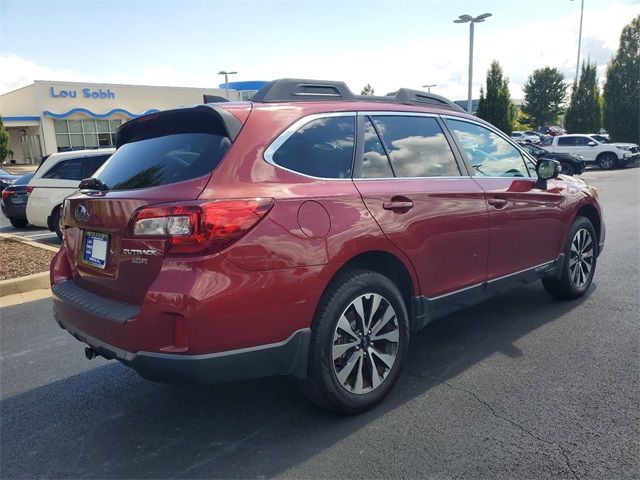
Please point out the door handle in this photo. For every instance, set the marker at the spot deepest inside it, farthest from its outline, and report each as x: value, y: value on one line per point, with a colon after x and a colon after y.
x: 398, y: 205
x: 497, y: 202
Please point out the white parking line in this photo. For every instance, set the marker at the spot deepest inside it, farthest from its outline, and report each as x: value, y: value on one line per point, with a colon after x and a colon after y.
x: 34, y: 235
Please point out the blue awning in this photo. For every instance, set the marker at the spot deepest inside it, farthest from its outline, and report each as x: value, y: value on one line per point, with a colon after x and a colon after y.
x: 97, y: 115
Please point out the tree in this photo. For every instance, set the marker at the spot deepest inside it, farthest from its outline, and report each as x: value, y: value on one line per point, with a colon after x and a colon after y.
x: 544, y: 96
x: 5, y: 146
x: 367, y: 90
x: 622, y: 88
x: 584, y: 114
x: 496, y: 107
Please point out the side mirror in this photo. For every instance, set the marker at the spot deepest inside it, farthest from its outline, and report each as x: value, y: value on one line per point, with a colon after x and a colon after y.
x: 547, y: 169
x: 592, y: 144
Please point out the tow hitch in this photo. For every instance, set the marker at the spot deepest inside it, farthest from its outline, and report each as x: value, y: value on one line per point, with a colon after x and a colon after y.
x: 90, y: 353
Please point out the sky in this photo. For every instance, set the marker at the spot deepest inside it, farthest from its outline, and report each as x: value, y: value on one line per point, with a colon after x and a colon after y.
x: 388, y: 44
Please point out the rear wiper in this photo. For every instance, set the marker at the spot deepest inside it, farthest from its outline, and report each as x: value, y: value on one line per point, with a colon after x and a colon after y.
x: 92, y: 184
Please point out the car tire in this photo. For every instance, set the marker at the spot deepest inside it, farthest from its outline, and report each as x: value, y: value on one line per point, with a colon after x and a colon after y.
x: 607, y: 161
x: 18, y: 222
x: 55, y: 222
x: 579, y: 263
x: 568, y: 169
x: 358, y: 345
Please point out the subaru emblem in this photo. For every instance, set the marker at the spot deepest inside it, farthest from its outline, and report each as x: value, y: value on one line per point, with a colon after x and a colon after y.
x: 81, y: 212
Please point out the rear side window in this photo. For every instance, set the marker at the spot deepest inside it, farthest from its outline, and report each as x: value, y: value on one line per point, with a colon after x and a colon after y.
x: 417, y: 146
x: 321, y: 148
x: 71, y: 169
x: 566, y: 142
x: 94, y: 163
x: 167, y: 149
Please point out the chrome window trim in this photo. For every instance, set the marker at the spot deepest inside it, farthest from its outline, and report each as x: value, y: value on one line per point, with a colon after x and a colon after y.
x: 293, y: 128
x: 396, y: 113
x: 502, y: 135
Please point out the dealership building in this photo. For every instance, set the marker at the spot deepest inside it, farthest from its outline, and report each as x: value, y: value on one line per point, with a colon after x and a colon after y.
x: 48, y: 117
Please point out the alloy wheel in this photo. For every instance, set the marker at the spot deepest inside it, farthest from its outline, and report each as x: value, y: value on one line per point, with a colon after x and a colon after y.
x: 581, y: 257
x: 365, y: 343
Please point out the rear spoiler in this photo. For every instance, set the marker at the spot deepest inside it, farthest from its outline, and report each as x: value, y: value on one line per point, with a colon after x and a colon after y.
x: 228, y: 121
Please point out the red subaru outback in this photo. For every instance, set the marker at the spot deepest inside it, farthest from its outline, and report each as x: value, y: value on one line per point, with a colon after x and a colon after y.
x: 309, y: 232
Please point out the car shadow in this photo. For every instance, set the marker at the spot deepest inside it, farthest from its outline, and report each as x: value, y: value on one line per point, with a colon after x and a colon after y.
x: 109, y: 423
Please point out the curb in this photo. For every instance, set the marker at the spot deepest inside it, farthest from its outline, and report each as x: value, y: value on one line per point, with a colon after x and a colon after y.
x: 18, y: 238
x: 35, y: 281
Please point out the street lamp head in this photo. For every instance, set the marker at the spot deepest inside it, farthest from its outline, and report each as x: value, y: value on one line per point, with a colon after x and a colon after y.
x: 222, y: 72
x: 463, y: 19
x: 480, y: 18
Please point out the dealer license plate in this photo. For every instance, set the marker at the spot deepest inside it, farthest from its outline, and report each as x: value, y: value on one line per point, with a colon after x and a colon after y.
x: 96, y: 246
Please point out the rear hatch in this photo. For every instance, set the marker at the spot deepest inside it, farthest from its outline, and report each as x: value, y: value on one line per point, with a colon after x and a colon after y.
x: 162, y: 158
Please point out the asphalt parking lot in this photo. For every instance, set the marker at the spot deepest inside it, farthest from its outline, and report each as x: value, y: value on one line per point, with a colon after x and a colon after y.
x: 522, y: 386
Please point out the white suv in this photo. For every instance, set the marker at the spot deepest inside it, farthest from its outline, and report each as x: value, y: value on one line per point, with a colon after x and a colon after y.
x: 57, y: 178
x: 592, y: 151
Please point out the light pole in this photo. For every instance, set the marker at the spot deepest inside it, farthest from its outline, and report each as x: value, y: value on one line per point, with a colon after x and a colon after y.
x: 464, y: 19
x: 428, y: 87
x: 226, y: 81
x: 579, y: 40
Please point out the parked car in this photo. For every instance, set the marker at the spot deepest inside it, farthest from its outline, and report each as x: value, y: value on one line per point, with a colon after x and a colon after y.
x: 606, y: 156
x: 57, y: 178
x: 540, y: 136
x: 309, y: 232
x: 523, y: 137
x: 571, y: 164
x: 552, y: 131
x: 7, y: 179
x: 629, y: 147
x: 14, y: 201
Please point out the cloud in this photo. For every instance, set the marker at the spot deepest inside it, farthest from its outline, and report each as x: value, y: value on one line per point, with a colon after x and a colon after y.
x: 413, y: 60
x: 18, y: 72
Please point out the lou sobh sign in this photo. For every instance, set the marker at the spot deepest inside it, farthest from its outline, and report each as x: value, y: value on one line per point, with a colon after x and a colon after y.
x: 85, y: 93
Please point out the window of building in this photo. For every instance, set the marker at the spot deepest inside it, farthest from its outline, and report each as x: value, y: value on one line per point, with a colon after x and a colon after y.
x: 321, y: 148
x: 417, y: 146
x: 81, y: 134
x: 489, y: 154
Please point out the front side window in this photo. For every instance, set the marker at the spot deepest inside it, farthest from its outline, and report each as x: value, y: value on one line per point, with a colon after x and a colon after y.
x: 583, y: 141
x: 417, y: 146
x: 321, y: 148
x: 547, y: 142
x: 489, y: 154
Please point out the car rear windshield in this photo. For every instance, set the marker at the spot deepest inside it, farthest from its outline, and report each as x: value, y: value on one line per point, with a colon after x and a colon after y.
x: 166, y: 149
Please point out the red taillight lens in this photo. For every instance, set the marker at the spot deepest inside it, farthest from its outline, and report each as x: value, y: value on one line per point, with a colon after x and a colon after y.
x: 6, y: 193
x: 29, y: 189
x: 200, y: 226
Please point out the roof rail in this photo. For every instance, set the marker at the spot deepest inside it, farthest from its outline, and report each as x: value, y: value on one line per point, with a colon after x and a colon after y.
x: 301, y: 90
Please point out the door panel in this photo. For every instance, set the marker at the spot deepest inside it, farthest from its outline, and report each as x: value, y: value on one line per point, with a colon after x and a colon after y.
x: 526, y: 223
x: 444, y: 233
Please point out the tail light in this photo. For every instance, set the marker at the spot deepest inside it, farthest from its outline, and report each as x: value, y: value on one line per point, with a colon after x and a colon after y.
x: 6, y: 193
x: 29, y: 189
x: 199, y: 226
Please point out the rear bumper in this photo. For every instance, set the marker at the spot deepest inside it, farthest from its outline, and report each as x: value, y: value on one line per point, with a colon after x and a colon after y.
x: 288, y: 357
x: 14, y: 211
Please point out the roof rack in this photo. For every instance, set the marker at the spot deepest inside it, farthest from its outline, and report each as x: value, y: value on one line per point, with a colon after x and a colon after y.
x: 302, y: 90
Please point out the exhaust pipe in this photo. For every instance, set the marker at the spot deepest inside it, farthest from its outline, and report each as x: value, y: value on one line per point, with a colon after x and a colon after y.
x: 90, y: 353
